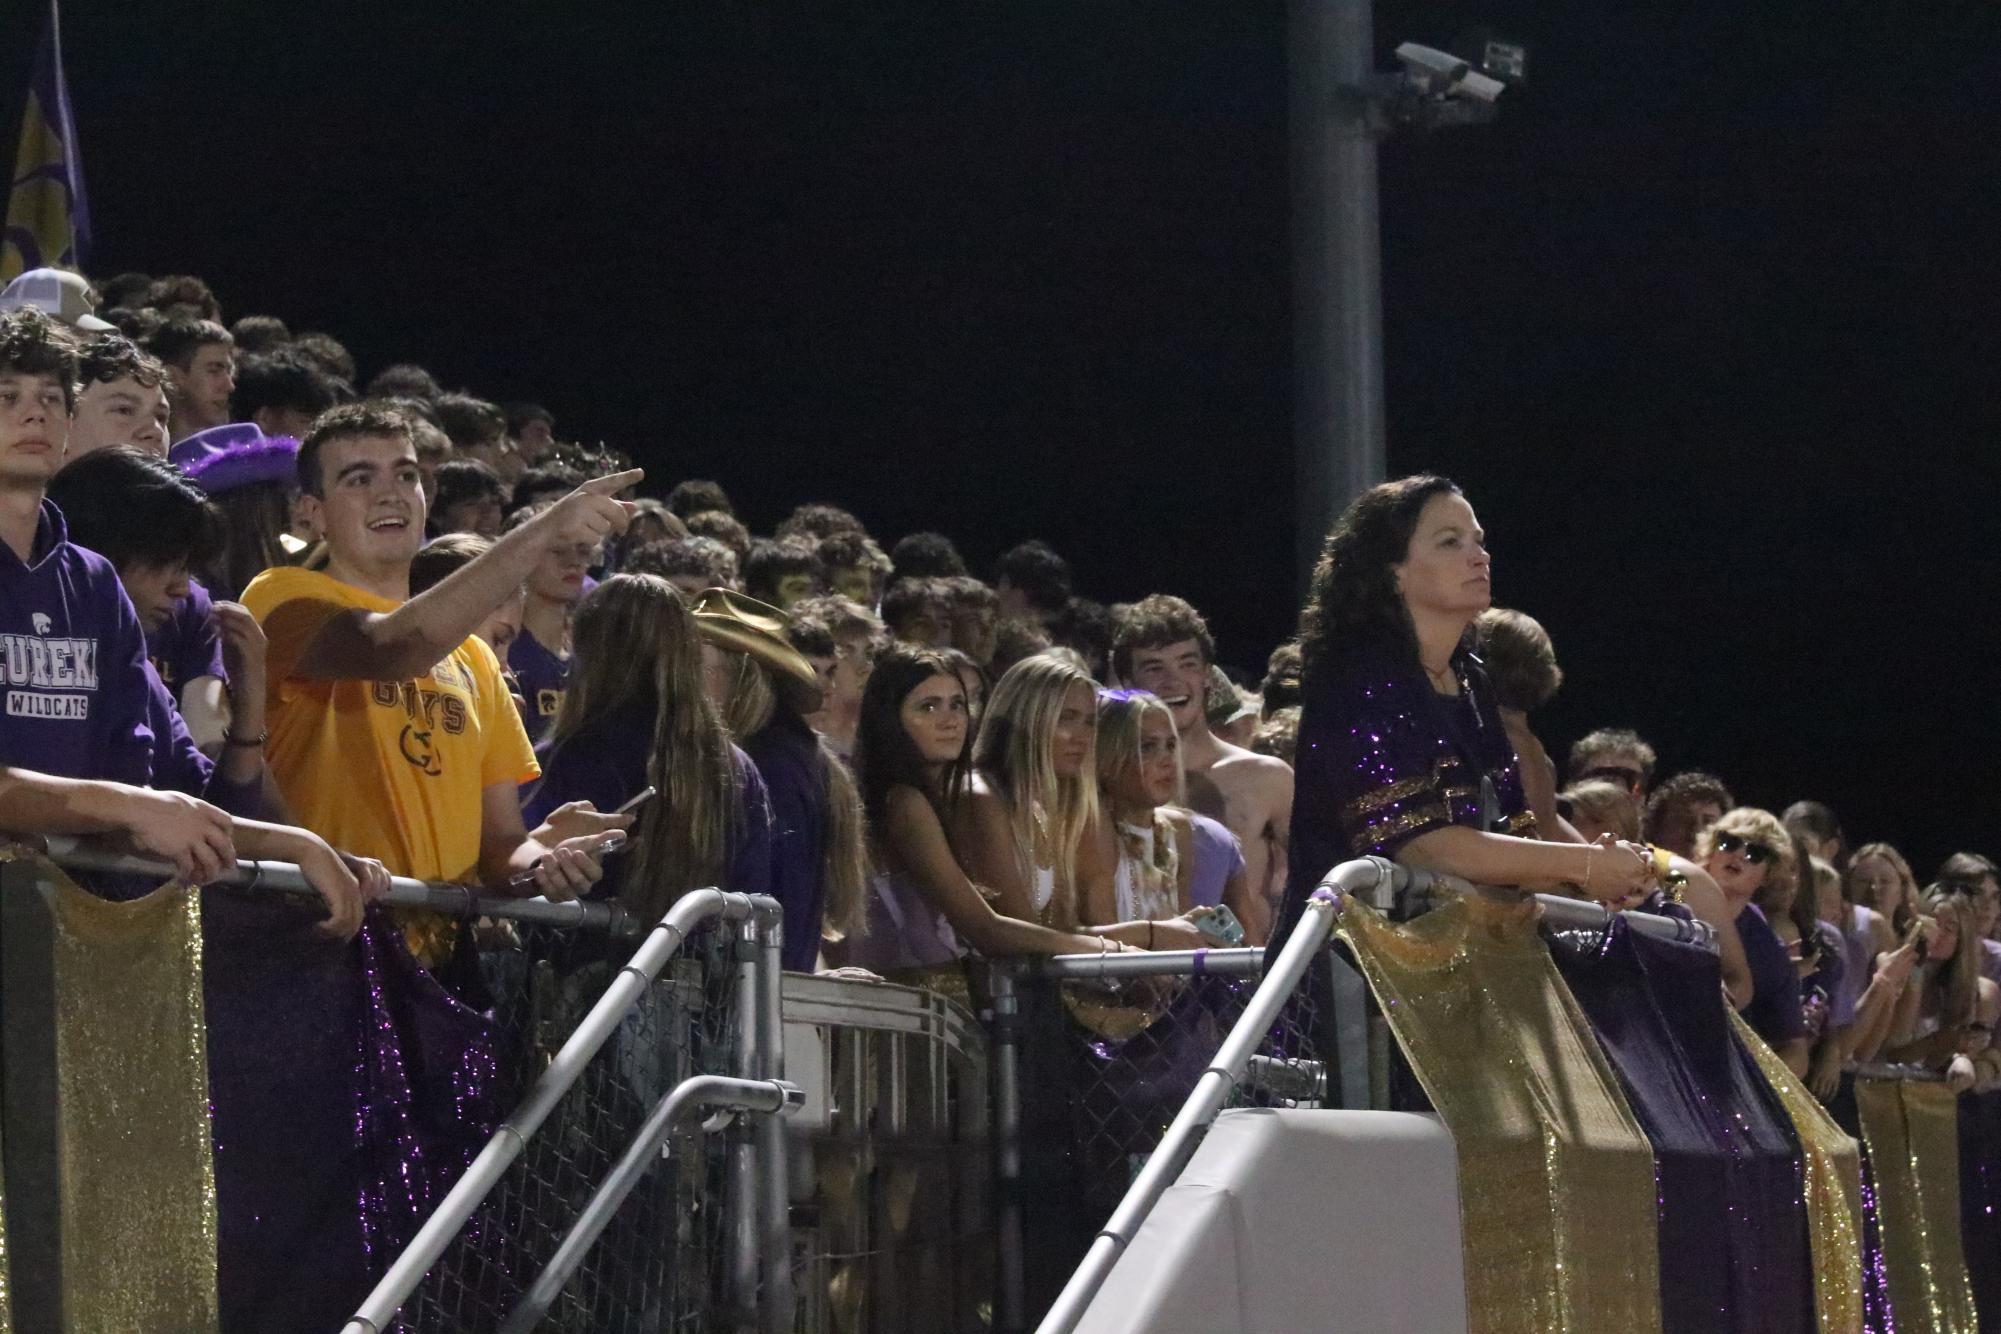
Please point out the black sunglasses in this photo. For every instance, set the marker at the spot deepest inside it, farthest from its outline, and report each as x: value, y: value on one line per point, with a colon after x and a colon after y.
x: 1755, y: 853
x: 1614, y: 774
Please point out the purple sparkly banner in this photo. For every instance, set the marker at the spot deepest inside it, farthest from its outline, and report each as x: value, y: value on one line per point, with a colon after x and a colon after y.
x: 348, y: 1090
x: 1731, y: 1203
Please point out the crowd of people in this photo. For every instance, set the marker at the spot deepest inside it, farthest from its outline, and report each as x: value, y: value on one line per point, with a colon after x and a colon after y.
x: 256, y: 606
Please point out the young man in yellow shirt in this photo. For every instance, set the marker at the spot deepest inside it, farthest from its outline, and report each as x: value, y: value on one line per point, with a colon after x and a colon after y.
x: 392, y: 732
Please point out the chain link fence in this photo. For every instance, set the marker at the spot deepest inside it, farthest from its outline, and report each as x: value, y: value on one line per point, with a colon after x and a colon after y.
x: 1135, y: 1050
x: 1103, y: 1067
x: 661, y: 1266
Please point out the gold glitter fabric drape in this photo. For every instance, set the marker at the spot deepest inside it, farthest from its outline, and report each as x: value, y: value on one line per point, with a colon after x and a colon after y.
x: 138, y: 1179
x: 1833, y: 1191
x: 6, y: 1282
x: 1556, y: 1180
x: 1912, y: 1130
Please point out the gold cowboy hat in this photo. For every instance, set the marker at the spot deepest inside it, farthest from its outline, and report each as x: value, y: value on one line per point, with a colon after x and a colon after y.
x: 742, y: 624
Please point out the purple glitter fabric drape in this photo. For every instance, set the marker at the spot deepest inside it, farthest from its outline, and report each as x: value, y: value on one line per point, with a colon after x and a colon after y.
x: 348, y: 1090
x: 1877, y: 1315
x: 1980, y: 1202
x: 1734, y: 1250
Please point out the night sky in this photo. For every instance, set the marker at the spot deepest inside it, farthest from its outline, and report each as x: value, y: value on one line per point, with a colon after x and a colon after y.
x: 1705, y: 324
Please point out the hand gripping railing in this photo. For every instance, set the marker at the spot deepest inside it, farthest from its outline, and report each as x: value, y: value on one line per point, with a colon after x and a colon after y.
x: 1369, y: 878
x: 455, y: 900
x: 692, y: 910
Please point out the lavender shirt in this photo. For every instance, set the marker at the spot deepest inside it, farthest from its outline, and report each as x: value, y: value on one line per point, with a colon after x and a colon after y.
x: 1218, y: 856
x: 72, y: 663
x: 904, y: 931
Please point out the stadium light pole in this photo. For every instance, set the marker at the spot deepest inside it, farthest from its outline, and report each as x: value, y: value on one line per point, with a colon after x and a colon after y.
x: 1338, y: 419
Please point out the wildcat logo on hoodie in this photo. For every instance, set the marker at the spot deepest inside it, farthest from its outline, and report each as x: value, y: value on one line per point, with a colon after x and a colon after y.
x: 42, y: 664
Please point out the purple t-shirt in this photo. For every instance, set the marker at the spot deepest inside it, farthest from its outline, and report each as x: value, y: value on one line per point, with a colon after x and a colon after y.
x: 787, y: 755
x: 605, y: 764
x: 542, y: 677
x: 1218, y: 856
x: 73, y: 659
x: 1774, y: 1012
x: 188, y: 643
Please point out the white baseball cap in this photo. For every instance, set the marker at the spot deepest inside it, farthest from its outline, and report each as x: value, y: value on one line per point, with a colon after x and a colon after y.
x: 57, y: 293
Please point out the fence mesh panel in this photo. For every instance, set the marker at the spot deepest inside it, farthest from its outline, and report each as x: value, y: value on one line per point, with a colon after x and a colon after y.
x: 1138, y: 1049
x: 660, y: 1265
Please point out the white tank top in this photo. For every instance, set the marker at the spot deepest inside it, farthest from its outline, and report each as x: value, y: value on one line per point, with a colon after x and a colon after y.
x: 1045, y: 888
x: 1147, y: 883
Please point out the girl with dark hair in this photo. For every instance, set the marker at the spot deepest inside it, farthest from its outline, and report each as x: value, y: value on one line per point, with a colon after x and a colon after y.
x: 154, y: 525
x: 635, y: 715
x: 765, y: 688
x: 1402, y: 752
x: 912, y: 759
x: 1980, y: 877
x: 1792, y: 909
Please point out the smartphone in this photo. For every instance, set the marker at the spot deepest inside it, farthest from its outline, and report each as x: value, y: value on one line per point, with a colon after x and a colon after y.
x: 1220, y: 925
x: 639, y: 798
x: 610, y: 845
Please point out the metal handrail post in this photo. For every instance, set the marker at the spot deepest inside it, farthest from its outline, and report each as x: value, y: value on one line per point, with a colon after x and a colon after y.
x: 774, y: 1198
x: 770, y: 1097
x: 1309, y: 936
x: 1005, y: 1064
x: 746, y: 1251
x: 691, y: 910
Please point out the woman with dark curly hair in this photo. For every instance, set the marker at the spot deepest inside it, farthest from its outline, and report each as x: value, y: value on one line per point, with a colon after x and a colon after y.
x: 1402, y: 752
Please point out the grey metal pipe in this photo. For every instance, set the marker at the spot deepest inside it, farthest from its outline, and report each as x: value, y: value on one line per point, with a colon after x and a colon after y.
x: 1581, y: 915
x: 453, y: 900
x: 1012, y: 1296
x: 1338, y: 410
x: 690, y: 1096
x: 380, y: 1307
x: 1308, y: 938
x: 1105, y: 966
x: 740, y: 1208
x: 774, y: 1182
x: 1916, y: 1074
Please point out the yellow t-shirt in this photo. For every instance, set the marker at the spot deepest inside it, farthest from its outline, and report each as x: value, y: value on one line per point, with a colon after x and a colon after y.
x: 385, y: 769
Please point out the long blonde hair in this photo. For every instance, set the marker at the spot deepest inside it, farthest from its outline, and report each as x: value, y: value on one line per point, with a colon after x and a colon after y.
x: 1122, y: 716
x: 634, y: 642
x: 1015, y: 751
x: 747, y: 709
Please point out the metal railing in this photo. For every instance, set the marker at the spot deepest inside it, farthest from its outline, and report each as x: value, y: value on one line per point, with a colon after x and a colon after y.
x: 758, y: 917
x: 463, y: 901
x: 699, y: 1093
x: 1236, y: 1063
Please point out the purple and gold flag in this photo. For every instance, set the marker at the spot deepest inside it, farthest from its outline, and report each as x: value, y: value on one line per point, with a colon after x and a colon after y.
x: 48, y: 222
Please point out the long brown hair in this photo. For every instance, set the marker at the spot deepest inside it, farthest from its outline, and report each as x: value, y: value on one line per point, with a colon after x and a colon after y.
x: 1959, y: 981
x: 751, y: 703
x: 634, y: 642
x: 1904, y: 911
x: 255, y: 517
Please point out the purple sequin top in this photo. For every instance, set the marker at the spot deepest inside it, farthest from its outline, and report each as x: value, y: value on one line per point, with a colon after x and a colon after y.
x: 1384, y: 758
